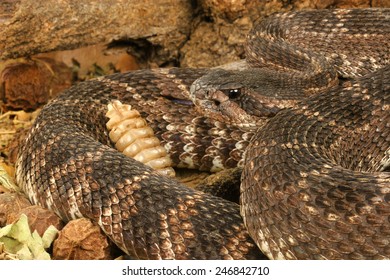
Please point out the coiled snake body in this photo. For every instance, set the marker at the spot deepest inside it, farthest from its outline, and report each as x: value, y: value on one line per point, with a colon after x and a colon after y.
x: 315, y: 181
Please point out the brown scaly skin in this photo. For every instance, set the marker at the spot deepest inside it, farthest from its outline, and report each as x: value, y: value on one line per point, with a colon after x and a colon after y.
x: 315, y: 183
x: 320, y: 176
x: 67, y: 162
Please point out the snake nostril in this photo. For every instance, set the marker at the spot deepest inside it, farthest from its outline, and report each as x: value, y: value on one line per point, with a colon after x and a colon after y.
x: 216, y: 102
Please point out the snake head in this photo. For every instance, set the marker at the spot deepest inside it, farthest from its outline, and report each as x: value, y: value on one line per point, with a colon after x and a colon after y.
x: 233, y: 97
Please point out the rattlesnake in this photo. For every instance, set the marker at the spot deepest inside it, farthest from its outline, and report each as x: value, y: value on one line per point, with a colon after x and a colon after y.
x: 306, y: 190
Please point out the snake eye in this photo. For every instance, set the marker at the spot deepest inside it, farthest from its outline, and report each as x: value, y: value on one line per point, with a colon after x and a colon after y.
x: 233, y: 93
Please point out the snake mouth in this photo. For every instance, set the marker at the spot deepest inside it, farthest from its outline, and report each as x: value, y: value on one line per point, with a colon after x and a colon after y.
x: 216, y: 105
x: 211, y: 109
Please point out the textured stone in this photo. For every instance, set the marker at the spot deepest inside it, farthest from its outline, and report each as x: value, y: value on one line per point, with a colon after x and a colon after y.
x: 29, y: 84
x: 42, y: 26
x: 39, y: 218
x: 11, y: 203
x: 81, y: 240
x: 158, y: 33
x: 219, y: 36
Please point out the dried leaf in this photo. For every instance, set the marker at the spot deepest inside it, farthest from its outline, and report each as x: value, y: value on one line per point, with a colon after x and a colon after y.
x: 18, y: 240
x: 6, y: 180
x: 49, y: 236
x: 20, y: 230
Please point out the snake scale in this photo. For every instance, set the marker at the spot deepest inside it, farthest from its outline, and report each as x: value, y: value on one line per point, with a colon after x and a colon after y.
x: 308, y: 121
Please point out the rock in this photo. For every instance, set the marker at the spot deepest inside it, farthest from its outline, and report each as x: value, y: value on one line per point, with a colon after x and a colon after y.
x: 39, y: 218
x: 228, y: 9
x: 13, y: 205
x: 200, y: 33
x: 29, y: 84
x: 42, y: 26
x: 215, y: 44
x: 219, y: 32
x: 10, y: 204
x: 81, y: 240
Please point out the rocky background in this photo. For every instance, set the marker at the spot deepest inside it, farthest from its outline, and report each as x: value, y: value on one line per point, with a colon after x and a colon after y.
x: 185, y: 33
x: 72, y: 40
